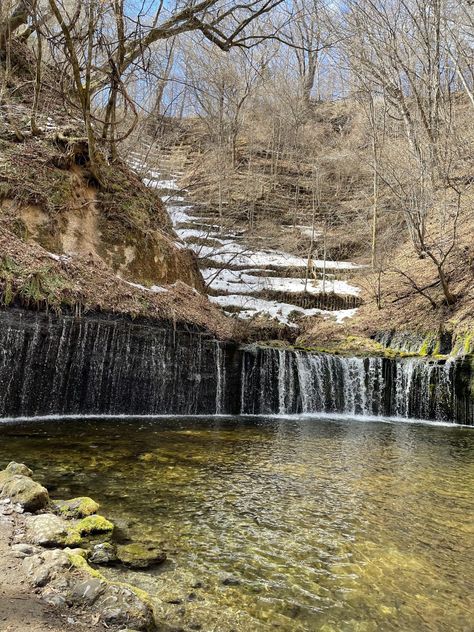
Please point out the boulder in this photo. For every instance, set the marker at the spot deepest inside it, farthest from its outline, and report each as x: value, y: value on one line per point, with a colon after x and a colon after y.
x: 93, y: 525
x: 76, y: 507
x: 42, y: 567
x: 87, y: 590
x: 137, y: 555
x: 47, y: 530
x: 120, y: 606
x: 18, y: 468
x: 51, y: 530
x: 23, y: 491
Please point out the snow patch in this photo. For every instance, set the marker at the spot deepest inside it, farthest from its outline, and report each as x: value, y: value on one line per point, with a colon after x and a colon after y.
x: 237, y: 282
x: 251, y: 306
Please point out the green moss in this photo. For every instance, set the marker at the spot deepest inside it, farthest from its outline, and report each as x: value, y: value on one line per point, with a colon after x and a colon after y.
x: 94, y: 525
x: 73, y: 538
x: 77, y: 507
x: 79, y: 561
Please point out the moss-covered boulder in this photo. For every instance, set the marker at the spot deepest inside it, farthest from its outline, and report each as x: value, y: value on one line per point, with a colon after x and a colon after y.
x: 94, y: 525
x: 119, y: 604
x: 16, y: 483
x: 138, y: 555
x: 75, y: 508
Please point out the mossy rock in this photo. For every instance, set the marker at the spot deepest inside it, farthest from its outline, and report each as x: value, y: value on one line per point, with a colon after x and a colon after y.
x: 16, y: 483
x: 138, y: 555
x: 121, y: 604
x: 52, y: 530
x: 81, y: 507
x: 94, y: 525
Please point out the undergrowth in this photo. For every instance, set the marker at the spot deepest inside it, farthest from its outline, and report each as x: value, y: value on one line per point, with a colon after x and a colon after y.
x: 42, y: 287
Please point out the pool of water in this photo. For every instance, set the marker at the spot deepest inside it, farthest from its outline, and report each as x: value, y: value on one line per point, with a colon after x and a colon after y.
x: 290, y: 524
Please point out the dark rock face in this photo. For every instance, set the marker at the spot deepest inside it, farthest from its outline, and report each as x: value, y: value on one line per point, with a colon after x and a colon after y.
x: 52, y: 364
x: 62, y: 365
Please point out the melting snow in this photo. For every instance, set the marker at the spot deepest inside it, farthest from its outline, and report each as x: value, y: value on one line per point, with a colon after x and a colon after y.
x: 161, y: 184
x: 236, y: 282
x: 238, y: 286
x: 251, y: 306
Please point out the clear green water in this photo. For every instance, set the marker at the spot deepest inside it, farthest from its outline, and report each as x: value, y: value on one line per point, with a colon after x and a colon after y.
x: 331, y: 525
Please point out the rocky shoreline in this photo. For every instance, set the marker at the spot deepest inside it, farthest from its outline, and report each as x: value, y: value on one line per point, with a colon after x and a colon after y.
x: 47, y: 545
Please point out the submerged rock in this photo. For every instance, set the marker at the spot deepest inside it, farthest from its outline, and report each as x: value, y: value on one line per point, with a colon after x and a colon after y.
x: 229, y: 580
x: 81, y: 507
x: 17, y: 485
x: 137, y: 555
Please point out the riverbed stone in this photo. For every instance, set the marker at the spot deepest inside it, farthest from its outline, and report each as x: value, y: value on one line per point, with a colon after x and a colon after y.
x: 53, y: 598
x: 104, y: 553
x: 44, y: 566
x: 22, y: 549
x: 120, y: 606
x: 23, y: 491
x: 138, y: 555
x: 87, y: 590
x: 80, y: 507
x: 47, y: 530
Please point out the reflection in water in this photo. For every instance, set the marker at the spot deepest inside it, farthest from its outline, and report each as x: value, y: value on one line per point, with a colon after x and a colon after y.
x: 323, y: 525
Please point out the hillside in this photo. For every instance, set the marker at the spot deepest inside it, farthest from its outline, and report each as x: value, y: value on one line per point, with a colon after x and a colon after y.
x: 70, y: 242
x: 269, y: 198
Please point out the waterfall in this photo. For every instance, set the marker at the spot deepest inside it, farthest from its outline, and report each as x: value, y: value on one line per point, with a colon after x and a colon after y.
x: 61, y: 365
x: 288, y: 382
x: 221, y: 383
x: 99, y: 364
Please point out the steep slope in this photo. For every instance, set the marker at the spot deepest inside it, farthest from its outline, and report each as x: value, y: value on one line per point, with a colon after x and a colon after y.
x: 266, y: 202
x: 70, y: 242
x: 244, y: 276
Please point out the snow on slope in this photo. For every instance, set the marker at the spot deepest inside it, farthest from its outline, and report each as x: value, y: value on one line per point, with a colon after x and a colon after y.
x: 235, y: 272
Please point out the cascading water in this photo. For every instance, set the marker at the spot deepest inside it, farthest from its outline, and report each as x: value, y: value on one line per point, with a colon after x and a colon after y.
x: 288, y: 382
x: 52, y: 364
x: 62, y: 365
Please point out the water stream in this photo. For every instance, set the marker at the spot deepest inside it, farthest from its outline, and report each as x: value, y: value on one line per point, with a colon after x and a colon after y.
x: 296, y: 524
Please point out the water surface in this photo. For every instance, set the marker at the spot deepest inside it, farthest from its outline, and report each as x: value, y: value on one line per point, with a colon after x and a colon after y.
x: 291, y: 524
